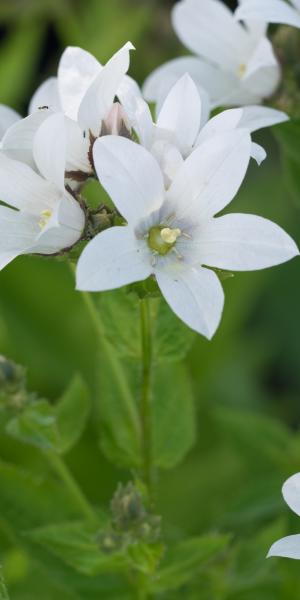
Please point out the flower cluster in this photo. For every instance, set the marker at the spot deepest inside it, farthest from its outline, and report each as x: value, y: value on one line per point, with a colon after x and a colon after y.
x: 168, y: 176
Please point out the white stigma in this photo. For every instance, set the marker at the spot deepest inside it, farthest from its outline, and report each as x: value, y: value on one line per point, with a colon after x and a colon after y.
x: 169, y: 236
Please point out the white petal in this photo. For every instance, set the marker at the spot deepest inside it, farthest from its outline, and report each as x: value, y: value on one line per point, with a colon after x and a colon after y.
x: 22, y: 188
x: 77, y: 148
x: 195, y: 295
x: 49, y: 149
x: 63, y: 230
x: 128, y: 88
x: 77, y: 70
x: 263, y: 73
x: 270, y: 11
x: 208, y: 28
x: 296, y: 4
x: 18, y: 140
x: 211, y: 176
x: 130, y: 175
x: 249, y: 117
x: 258, y: 153
x: 181, y: 113
x: 137, y: 110
x: 8, y: 117
x: 258, y: 117
x: 100, y: 95
x: 224, y: 121
x: 17, y: 234
x: 291, y: 493
x: 287, y: 547
x: 239, y: 95
x: 140, y: 118
x: 216, y: 82
x: 113, y: 258
x: 256, y: 30
x: 241, y: 242
x: 46, y: 96
x: 169, y: 159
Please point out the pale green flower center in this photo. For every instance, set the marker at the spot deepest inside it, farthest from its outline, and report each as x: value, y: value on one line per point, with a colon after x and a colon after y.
x: 162, y: 239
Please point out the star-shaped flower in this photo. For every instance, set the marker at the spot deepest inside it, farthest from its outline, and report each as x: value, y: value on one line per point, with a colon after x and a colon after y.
x: 173, y: 234
x: 234, y: 62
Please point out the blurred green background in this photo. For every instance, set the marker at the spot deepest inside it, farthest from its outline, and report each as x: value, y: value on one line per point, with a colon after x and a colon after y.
x: 246, y: 381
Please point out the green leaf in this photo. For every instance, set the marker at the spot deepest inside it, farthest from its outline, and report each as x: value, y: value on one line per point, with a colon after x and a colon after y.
x: 184, y: 560
x: 120, y: 313
x: 52, y: 427
x: 76, y: 544
x: 72, y: 412
x: 250, y: 431
x: 28, y: 502
x: 173, y: 418
x: 3, y: 591
x: 172, y: 338
x: 145, y: 557
x: 36, y: 425
x: 119, y: 430
x: 174, y: 430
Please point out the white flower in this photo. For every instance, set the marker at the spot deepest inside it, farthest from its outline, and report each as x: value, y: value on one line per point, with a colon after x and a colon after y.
x: 289, y: 547
x: 235, y: 63
x: 173, y: 234
x: 270, y: 11
x: 84, y: 92
x: 182, y: 124
x: 44, y: 217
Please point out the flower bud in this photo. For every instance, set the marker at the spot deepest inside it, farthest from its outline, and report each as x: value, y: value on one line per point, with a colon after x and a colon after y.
x: 127, y: 507
x: 12, y: 384
x: 116, y: 122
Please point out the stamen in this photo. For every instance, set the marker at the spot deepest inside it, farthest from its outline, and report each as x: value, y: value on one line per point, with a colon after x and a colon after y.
x: 44, y: 217
x: 179, y: 256
x: 241, y: 70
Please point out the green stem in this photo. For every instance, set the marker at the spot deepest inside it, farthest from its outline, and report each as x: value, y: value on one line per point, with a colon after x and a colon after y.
x: 145, y: 406
x: 72, y: 486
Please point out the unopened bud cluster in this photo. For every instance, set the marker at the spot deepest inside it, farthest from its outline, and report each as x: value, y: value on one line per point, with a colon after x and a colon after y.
x: 12, y: 384
x: 131, y: 522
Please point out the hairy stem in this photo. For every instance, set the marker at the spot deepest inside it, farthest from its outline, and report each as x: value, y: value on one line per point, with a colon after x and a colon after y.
x: 145, y: 405
x: 72, y: 486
